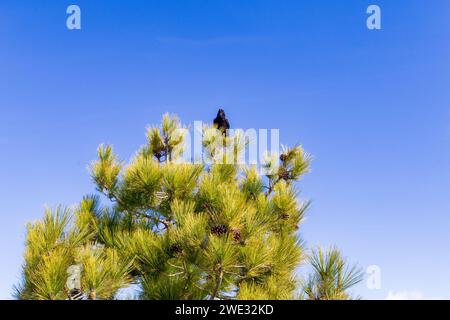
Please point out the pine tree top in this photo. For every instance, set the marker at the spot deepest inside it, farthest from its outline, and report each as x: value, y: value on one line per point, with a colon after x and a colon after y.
x: 177, y: 230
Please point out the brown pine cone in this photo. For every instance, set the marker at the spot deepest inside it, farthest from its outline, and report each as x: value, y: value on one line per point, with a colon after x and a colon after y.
x: 219, y: 229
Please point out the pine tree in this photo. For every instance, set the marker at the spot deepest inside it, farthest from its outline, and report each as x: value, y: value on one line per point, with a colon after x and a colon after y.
x: 180, y: 230
x: 331, y: 276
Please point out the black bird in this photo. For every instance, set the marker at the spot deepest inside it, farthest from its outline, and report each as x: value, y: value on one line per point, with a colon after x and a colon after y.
x: 221, y: 121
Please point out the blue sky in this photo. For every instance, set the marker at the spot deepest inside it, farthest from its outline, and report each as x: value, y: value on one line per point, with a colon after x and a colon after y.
x: 371, y: 106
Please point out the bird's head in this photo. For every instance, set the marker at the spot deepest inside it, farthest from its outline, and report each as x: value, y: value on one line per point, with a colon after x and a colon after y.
x: 221, y: 113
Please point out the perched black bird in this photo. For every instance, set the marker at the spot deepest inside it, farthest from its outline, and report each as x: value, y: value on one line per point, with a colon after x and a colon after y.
x: 221, y: 121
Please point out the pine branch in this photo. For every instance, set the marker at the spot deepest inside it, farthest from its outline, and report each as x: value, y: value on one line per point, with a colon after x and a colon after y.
x: 218, y: 283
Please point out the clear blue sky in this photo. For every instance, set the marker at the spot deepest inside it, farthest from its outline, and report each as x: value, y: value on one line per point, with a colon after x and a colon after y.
x: 373, y: 107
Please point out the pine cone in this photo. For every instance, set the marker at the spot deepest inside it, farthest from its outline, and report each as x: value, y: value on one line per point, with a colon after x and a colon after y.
x: 285, y: 216
x: 219, y: 229
x: 283, y: 157
x: 236, y: 234
x: 176, y: 248
x: 283, y: 173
